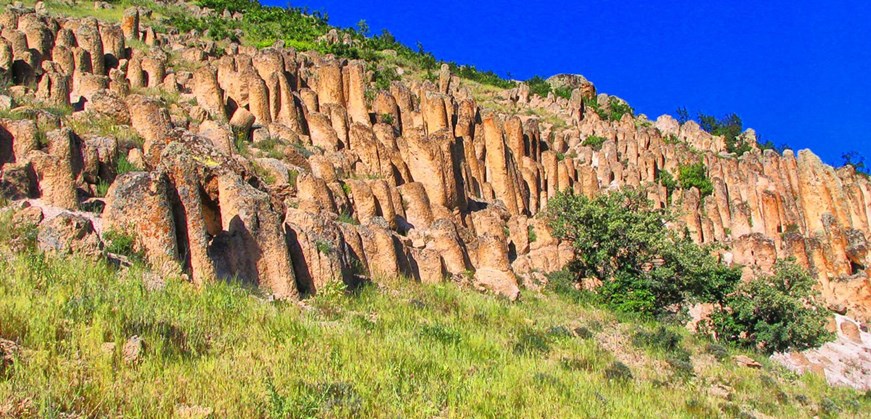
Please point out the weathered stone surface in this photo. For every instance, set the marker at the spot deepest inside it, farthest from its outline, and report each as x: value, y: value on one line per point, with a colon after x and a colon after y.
x: 843, y: 362
x: 152, y: 122
x: 109, y: 104
x: 56, y: 170
x: 68, y: 233
x: 138, y: 204
x: 253, y: 246
x: 228, y: 138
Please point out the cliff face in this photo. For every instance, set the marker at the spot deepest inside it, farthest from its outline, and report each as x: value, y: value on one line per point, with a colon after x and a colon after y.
x: 288, y: 169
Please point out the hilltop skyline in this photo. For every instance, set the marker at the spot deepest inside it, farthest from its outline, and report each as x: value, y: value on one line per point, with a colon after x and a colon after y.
x: 793, y: 72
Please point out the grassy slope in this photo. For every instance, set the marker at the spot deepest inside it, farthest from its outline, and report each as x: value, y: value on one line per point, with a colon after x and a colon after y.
x: 395, y: 349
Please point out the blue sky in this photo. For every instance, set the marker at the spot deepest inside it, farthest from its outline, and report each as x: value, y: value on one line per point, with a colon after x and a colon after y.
x: 799, y: 72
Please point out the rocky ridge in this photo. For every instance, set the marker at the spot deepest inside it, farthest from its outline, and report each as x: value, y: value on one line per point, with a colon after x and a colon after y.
x: 288, y: 169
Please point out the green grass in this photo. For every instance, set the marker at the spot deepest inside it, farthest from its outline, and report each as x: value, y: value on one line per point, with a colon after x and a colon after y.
x: 347, y: 218
x: 594, y: 142
x: 124, y: 166
x: 396, y: 349
x: 101, y: 188
x: 104, y: 126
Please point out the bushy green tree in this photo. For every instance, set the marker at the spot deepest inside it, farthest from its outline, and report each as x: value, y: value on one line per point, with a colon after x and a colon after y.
x: 853, y: 158
x: 695, y: 175
x: 620, y: 238
x: 665, y: 178
x: 774, y: 313
x: 730, y: 127
x: 538, y: 86
x: 595, y: 142
x: 618, y: 108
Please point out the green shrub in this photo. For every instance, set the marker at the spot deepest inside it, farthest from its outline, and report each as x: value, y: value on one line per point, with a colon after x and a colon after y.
x: 469, y: 72
x: 583, y: 332
x: 617, y: 108
x: 618, y: 371
x: 347, y: 219
x: 857, y: 161
x: 720, y: 352
x: 263, y: 174
x: 538, y: 86
x: 662, y: 338
x: 121, y: 243
x: 620, y: 238
x: 564, y: 92
x: 776, y: 313
x: 441, y: 333
x: 665, y: 178
x: 384, y: 77
x: 323, y: 247
x: 614, y: 111
x: 101, y: 188
x: 730, y: 127
x: 594, y: 142
x: 682, y: 367
x: 559, y: 332
x: 671, y: 139
x: 695, y: 175
x: 530, y: 233
x: 531, y: 342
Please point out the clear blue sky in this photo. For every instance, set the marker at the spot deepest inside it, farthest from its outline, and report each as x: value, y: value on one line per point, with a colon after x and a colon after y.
x: 799, y: 72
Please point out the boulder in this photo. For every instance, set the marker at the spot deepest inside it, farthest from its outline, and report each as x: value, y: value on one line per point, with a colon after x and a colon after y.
x: 67, y: 233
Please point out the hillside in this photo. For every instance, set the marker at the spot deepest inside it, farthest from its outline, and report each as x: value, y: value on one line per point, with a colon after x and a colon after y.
x: 209, y: 177
x: 93, y: 341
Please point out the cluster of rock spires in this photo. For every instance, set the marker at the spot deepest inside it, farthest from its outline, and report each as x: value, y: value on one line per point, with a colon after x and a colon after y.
x: 287, y: 170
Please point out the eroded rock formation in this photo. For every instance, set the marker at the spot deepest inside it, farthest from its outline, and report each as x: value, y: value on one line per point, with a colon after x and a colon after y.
x: 273, y: 166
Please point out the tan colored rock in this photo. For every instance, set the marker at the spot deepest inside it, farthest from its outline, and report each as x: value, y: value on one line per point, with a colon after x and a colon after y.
x: 17, y: 139
x: 220, y: 134
x: 330, y: 87
x: 435, y: 116
x: 253, y: 240
x: 745, y: 361
x: 18, y: 181
x: 315, y: 195
x: 416, y: 205
x: 208, y: 93
x: 850, y: 331
x: 357, y: 110
x: 68, y: 234
x: 258, y: 97
x: 322, y: 133
x: 428, y: 266
x: 503, y: 283
x: 151, y: 121
x: 497, y: 164
x: 89, y: 39
x: 242, y: 121
x: 56, y: 170
x: 113, y: 45
x: 184, y: 162
x: 138, y: 204
x: 109, y: 104
x: 317, y: 249
x: 130, y: 23
x: 133, y: 350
